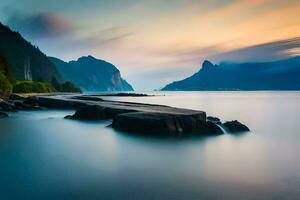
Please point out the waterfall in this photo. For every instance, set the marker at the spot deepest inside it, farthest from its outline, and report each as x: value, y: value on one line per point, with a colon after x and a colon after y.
x: 27, y: 71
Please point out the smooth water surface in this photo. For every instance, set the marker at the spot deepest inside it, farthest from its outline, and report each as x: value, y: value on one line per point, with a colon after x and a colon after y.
x: 43, y: 156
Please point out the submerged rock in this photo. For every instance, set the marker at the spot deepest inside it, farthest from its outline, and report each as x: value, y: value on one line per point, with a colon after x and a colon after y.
x: 3, y: 115
x: 235, y: 126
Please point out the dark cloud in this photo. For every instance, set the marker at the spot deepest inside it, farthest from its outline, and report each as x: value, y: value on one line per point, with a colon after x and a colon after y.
x: 263, y: 52
x: 75, y: 45
x: 91, y: 41
x: 41, y: 25
x: 109, y: 35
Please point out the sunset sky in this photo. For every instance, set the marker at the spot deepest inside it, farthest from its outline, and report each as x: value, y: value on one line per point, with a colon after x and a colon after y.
x: 154, y: 42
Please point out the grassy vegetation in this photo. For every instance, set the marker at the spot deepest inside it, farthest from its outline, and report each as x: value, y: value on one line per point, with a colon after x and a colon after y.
x: 64, y: 87
x: 32, y: 87
x: 69, y: 87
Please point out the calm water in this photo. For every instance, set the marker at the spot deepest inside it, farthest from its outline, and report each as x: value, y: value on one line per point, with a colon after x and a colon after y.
x: 43, y: 156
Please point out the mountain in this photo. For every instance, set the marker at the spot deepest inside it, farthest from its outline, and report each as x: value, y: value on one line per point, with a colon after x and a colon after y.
x: 275, y: 75
x: 6, y: 78
x: 27, y: 61
x: 92, y: 74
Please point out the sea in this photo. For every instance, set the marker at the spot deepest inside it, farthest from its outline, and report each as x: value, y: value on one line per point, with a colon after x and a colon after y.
x: 44, y: 156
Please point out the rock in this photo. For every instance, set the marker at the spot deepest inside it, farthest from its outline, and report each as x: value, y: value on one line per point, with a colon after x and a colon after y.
x: 235, y: 126
x: 16, y: 97
x: 96, y: 112
x: 141, y: 118
x: 17, y: 104
x: 31, y: 101
x: 5, y: 106
x: 3, y: 115
x: 213, y: 128
x: 164, y: 124
x: 89, y: 112
x: 87, y: 98
x: 58, y: 103
x: 215, y: 120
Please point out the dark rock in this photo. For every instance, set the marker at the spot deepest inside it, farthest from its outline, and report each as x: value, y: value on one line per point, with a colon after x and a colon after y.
x: 5, y: 106
x: 87, y: 98
x: 32, y: 101
x: 215, y: 120
x: 235, y: 126
x: 92, y: 112
x: 3, y: 115
x: 96, y: 112
x: 141, y: 118
x: 16, y: 97
x: 213, y: 128
x: 164, y: 124
x: 58, y: 103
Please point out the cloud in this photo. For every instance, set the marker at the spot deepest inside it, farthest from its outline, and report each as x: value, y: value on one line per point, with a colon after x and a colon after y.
x: 274, y: 50
x: 58, y: 36
x: 81, y: 42
x: 41, y: 25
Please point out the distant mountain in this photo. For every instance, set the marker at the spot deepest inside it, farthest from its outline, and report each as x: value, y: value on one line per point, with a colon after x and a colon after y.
x: 276, y: 75
x: 27, y: 61
x: 92, y: 74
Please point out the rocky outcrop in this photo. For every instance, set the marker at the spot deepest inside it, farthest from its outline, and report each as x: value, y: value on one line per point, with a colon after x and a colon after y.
x: 214, y: 120
x: 131, y: 117
x: 87, y: 112
x: 164, y: 123
x: 151, y: 119
x: 97, y: 112
x: 5, y: 105
x: 58, y: 103
x: 235, y: 126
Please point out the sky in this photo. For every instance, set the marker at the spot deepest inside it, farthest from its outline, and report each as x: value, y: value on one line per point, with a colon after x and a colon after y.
x: 155, y: 42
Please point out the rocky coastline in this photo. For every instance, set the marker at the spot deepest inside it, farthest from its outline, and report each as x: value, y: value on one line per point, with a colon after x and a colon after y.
x: 128, y: 117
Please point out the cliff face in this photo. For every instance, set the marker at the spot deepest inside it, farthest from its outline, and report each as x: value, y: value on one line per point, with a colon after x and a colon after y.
x: 276, y: 75
x: 27, y: 61
x: 92, y: 74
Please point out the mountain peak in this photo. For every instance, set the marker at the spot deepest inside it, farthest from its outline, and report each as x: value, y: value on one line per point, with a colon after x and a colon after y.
x: 207, y: 64
x: 89, y: 57
x: 92, y: 74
